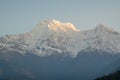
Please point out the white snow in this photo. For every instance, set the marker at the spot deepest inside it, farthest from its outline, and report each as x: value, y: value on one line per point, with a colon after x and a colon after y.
x: 52, y: 36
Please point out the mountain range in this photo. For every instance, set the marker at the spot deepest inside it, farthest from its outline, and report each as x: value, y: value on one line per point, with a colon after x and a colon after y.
x: 55, y: 50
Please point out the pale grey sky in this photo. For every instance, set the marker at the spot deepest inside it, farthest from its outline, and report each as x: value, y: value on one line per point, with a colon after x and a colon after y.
x: 19, y: 16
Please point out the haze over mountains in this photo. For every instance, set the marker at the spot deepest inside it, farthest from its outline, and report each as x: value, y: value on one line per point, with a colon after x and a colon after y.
x: 59, y: 51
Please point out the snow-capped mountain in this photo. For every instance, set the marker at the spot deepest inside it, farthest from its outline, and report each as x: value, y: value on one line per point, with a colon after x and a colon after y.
x: 59, y: 51
x: 51, y: 36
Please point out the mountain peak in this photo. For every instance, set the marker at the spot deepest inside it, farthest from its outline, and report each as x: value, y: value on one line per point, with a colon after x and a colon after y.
x: 55, y: 25
x: 103, y: 27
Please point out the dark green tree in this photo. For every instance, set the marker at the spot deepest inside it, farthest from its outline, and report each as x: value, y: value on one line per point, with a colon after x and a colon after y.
x: 113, y: 76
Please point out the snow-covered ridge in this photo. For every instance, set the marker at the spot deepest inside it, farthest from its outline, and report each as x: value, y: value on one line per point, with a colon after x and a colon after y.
x: 55, y: 25
x: 52, y: 36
